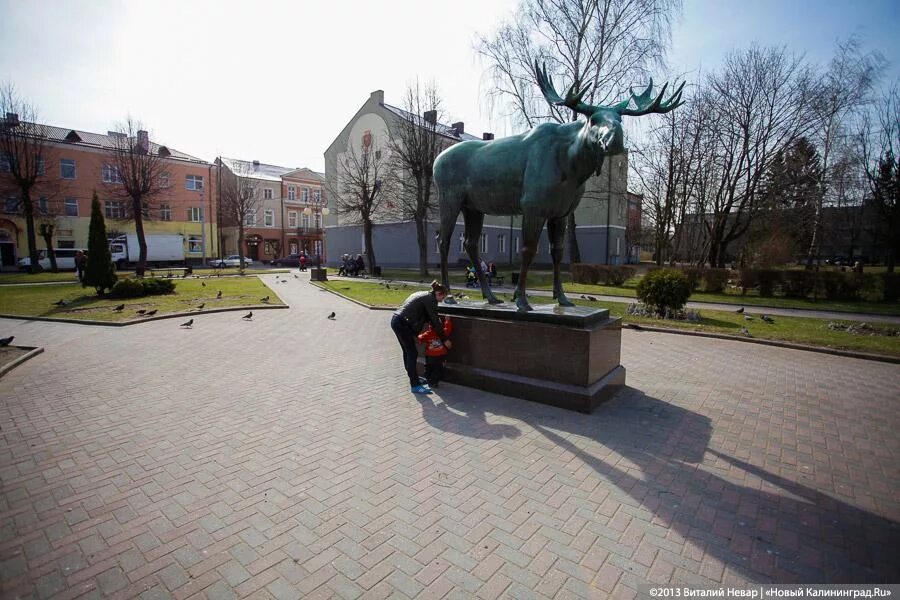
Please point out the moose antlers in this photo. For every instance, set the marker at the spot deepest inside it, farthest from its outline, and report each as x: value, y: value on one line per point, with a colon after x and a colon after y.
x: 645, y: 104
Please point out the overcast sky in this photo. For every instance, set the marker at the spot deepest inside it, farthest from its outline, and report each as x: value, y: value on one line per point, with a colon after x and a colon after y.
x: 276, y: 81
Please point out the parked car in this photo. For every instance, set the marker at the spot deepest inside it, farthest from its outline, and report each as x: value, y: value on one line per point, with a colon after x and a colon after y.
x: 291, y: 260
x: 230, y: 261
x: 65, y: 259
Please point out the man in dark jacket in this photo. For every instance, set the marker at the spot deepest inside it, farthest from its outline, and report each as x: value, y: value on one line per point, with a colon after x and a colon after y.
x: 408, y: 321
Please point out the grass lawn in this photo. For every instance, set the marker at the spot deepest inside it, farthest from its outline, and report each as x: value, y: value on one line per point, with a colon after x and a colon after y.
x: 67, y: 276
x: 800, y: 330
x: 83, y: 303
x: 543, y: 280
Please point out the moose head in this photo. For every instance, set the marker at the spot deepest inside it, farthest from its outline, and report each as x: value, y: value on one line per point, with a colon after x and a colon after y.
x: 602, y: 130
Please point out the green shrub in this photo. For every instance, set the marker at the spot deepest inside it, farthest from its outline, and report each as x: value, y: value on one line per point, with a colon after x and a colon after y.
x: 694, y: 276
x: 665, y: 290
x: 715, y: 280
x: 891, y: 284
x: 767, y: 281
x: 798, y: 284
x: 872, y: 287
x: 748, y: 279
x: 584, y: 273
x: 127, y: 288
x: 158, y: 287
x: 618, y: 275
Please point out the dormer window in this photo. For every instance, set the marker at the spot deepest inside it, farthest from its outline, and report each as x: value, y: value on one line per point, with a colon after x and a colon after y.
x: 164, y: 152
x: 73, y: 137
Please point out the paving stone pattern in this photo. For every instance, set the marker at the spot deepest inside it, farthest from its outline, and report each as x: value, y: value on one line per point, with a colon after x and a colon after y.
x: 286, y: 458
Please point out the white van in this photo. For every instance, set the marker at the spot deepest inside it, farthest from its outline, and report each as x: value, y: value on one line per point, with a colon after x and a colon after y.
x: 65, y: 259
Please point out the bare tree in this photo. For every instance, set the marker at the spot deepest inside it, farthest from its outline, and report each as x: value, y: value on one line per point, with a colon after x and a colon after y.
x: 23, y: 151
x: 414, y: 144
x: 758, y: 104
x: 603, y: 45
x: 239, y: 198
x: 879, y: 137
x: 363, y: 179
x: 843, y: 90
x: 135, y: 172
x: 49, y: 210
x: 668, y: 167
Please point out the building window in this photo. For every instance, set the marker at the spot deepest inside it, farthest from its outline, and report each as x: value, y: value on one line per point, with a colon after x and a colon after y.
x: 164, y: 180
x: 67, y: 169
x: 11, y: 205
x: 618, y: 246
x: 111, y: 174
x: 71, y: 207
x: 194, y: 182
x: 293, y: 248
x: 318, y: 221
x: 165, y: 212
x: 305, y: 221
x: 267, y: 248
x: 65, y: 244
x: 195, y: 244
x: 269, y: 218
x: 250, y: 219
x: 43, y: 205
x: 484, y: 243
x: 501, y: 243
x: 292, y: 218
x: 267, y: 194
x: 516, y: 244
x: 5, y: 163
x: 113, y: 210
x: 317, y: 247
x: 42, y: 167
x: 292, y: 193
x: 462, y: 243
x: 195, y: 214
x: 304, y: 195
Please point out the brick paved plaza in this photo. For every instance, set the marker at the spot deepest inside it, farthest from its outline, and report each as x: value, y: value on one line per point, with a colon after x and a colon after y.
x: 286, y: 458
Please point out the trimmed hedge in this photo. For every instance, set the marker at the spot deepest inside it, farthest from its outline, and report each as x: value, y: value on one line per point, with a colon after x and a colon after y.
x: 592, y: 274
x: 135, y: 288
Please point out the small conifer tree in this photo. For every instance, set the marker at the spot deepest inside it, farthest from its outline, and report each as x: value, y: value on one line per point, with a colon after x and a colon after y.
x: 100, y: 272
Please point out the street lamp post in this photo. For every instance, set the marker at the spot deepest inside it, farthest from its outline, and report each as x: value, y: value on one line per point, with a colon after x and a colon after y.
x: 320, y: 209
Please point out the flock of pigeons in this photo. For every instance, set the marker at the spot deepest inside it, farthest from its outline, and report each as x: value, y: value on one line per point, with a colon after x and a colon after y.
x: 746, y: 332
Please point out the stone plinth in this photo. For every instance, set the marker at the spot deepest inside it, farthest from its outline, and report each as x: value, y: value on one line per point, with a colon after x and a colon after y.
x: 566, y: 357
x: 316, y: 274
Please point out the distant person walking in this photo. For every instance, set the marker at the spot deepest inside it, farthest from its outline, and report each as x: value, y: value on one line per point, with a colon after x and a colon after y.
x: 80, y: 264
x: 409, y: 319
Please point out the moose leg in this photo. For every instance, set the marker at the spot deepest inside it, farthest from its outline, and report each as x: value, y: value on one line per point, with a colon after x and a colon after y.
x: 474, y: 221
x: 531, y: 234
x: 556, y: 231
x: 449, y: 211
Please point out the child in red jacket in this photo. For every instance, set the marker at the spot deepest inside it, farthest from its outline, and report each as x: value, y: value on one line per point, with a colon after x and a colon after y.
x: 435, y: 351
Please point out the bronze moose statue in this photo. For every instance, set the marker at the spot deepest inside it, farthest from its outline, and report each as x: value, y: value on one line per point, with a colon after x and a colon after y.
x: 539, y: 175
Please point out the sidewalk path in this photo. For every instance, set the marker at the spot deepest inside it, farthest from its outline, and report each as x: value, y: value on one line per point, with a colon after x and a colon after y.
x: 286, y: 458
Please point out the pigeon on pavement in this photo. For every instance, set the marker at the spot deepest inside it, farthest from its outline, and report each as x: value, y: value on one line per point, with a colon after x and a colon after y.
x: 767, y: 319
x: 201, y: 305
x: 331, y: 316
x: 592, y: 299
x: 740, y: 310
x: 60, y: 303
x: 219, y: 295
x: 203, y: 283
x: 748, y: 318
x: 264, y: 300
x: 150, y: 313
x: 7, y: 340
x: 248, y: 316
x: 745, y: 332
x: 142, y: 311
x: 189, y: 323
x: 119, y: 308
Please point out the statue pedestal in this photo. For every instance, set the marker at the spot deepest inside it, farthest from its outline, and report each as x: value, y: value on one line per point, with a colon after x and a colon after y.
x: 318, y: 274
x: 562, y: 356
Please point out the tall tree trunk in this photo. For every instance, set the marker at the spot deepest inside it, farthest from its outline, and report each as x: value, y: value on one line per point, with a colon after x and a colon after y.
x: 28, y: 209
x: 47, y: 234
x: 367, y: 240
x: 421, y: 234
x: 138, y: 213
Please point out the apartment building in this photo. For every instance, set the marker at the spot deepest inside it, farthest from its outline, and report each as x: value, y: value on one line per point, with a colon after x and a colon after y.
x: 284, y: 212
x: 79, y: 163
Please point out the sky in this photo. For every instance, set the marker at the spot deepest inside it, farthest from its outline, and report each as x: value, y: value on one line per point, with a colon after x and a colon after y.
x: 277, y: 81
